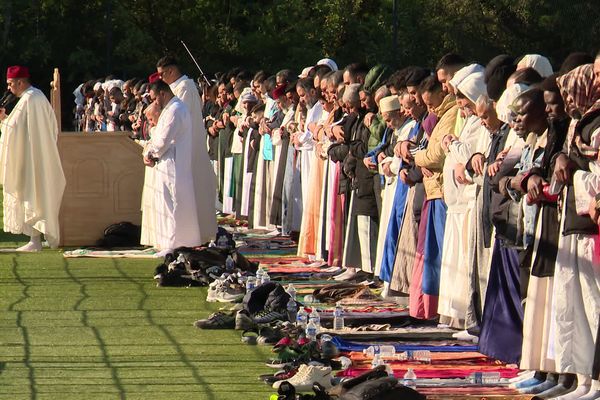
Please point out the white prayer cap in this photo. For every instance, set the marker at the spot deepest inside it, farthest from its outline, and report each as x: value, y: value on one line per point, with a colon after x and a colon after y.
x: 328, y: 62
x: 389, y: 103
x: 462, y: 73
x: 351, y: 93
x: 537, y: 62
x: 108, y: 85
x: 508, y: 97
x: 473, y: 86
x: 97, y: 86
x: 304, y: 72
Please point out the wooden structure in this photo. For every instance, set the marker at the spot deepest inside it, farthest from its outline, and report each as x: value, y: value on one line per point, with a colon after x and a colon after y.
x: 105, y: 176
x: 55, y: 97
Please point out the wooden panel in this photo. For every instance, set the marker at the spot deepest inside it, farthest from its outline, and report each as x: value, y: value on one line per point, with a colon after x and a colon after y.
x: 105, y: 176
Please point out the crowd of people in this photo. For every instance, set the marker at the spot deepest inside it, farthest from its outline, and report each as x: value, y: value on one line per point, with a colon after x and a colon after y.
x: 471, y: 191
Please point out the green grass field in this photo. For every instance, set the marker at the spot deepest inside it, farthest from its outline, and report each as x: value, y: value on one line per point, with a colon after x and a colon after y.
x: 101, y: 329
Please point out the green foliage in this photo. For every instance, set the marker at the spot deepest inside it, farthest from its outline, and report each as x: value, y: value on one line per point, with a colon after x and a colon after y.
x: 94, y: 38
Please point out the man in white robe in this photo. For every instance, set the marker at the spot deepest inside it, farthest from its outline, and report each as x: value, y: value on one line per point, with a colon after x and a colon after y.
x: 204, y: 179
x: 31, y: 172
x: 170, y: 150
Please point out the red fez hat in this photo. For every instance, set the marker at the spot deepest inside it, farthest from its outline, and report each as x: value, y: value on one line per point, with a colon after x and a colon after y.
x: 154, y: 77
x: 17, y: 71
x: 278, y: 92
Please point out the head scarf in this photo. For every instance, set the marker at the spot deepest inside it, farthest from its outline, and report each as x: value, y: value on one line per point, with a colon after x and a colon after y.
x: 508, y: 97
x: 376, y: 77
x: 473, y: 86
x: 540, y: 63
x: 579, y: 84
x: 462, y: 73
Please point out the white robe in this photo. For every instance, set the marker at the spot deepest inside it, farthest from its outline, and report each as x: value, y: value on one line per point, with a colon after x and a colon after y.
x: 30, y: 168
x: 205, y: 181
x: 176, y: 221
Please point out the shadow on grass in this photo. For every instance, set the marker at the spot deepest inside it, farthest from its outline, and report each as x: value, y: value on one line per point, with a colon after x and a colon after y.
x: 85, y: 321
x: 182, y: 355
x: 23, y: 328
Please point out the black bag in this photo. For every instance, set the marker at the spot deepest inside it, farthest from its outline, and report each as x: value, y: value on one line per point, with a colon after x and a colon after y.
x: 121, y: 234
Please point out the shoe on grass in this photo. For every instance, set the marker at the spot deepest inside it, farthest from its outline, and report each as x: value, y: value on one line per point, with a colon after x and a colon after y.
x: 308, y: 375
x: 243, y: 321
x: 218, y: 320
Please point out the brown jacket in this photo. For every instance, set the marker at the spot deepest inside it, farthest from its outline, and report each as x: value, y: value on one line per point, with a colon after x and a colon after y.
x: 433, y: 156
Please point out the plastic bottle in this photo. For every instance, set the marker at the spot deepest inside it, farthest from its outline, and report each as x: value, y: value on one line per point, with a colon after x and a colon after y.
x: 259, y: 274
x: 484, y: 378
x: 382, y: 350
x: 291, y: 290
x: 376, y: 361
x: 302, y: 318
x: 311, y: 331
x: 222, y: 242
x: 422, y: 355
x: 338, y: 317
x: 250, y: 284
x: 212, y: 244
x: 229, y: 264
x: 292, y: 310
x: 265, y: 278
x: 315, y: 317
x: 410, y: 379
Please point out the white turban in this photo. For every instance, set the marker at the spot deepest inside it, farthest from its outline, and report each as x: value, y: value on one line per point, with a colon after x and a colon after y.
x: 473, y: 86
x: 537, y: 62
x: 328, y: 62
x: 462, y: 73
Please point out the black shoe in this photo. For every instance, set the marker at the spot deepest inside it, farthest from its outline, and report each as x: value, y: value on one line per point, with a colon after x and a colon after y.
x: 218, y: 320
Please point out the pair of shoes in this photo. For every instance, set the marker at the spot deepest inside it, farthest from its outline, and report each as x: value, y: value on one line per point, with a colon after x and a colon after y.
x: 306, y: 376
x: 218, y: 320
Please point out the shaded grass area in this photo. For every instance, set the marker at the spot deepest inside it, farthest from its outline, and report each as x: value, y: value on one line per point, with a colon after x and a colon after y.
x: 101, y: 329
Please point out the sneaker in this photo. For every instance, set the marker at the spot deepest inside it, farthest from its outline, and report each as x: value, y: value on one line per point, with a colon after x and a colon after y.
x: 280, y: 375
x: 267, y: 316
x: 230, y: 293
x: 218, y: 320
x: 243, y: 321
x: 306, y: 376
x: 213, y: 291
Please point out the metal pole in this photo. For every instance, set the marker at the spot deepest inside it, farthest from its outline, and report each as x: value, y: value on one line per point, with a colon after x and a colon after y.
x: 195, y: 62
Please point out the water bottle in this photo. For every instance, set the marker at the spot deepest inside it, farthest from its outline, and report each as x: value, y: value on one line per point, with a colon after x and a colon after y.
x: 338, y: 317
x: 291, y: 290
x: 383, y: 350
x: 410, y: 379
x: 212, y: 244
x: 376, y: 361
x: 301, y: 318
x: 265, y: 278
x: 311, y: 331
x: 315, y: 317
x: 292, y: 310
x: 250, y: 284
x: 484, y: 378
x: 222, y: 242
x: 422, y: 355
x: 259, y: 274
x: 229, y: 263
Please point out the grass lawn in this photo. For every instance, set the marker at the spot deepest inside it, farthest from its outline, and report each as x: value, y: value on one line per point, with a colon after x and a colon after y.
x: 101, y: 329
